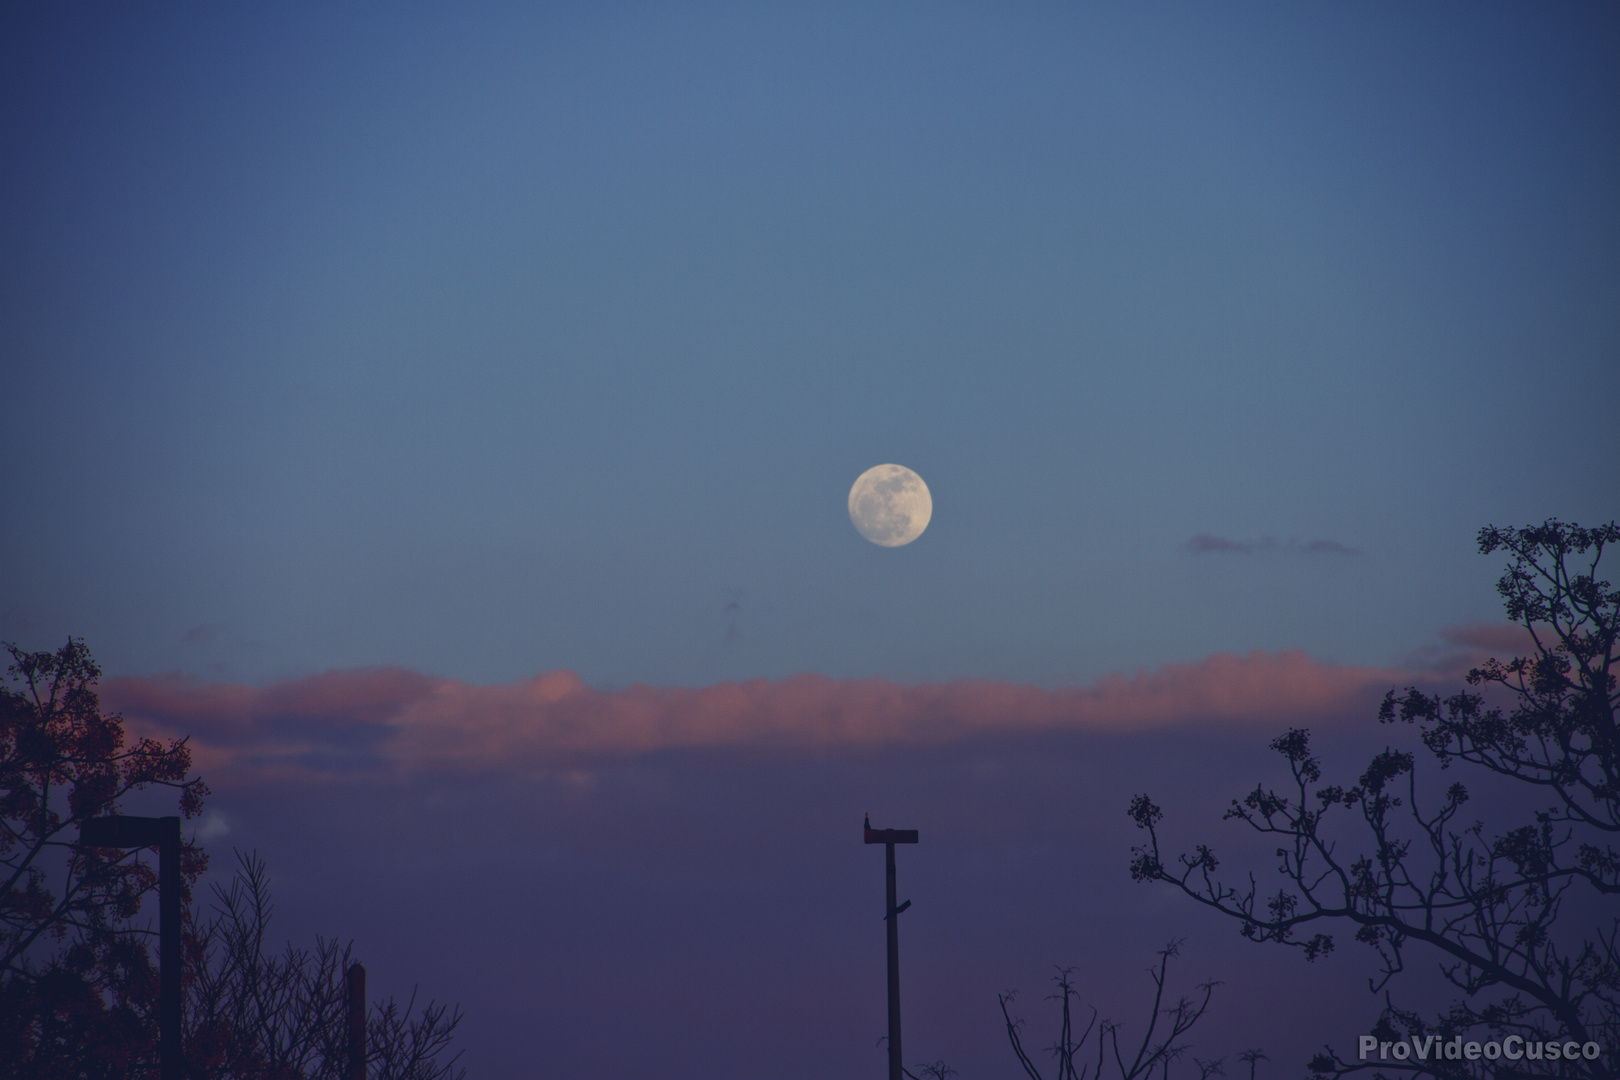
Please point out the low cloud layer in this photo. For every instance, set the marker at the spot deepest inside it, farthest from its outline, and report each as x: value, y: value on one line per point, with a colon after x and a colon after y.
x: 390, y: 720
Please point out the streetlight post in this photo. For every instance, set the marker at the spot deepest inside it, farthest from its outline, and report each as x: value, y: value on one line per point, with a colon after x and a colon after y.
x: 126, y: 831
x: 888, y: 838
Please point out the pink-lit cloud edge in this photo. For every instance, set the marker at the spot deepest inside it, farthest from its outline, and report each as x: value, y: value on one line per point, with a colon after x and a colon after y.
x: 394, y: 720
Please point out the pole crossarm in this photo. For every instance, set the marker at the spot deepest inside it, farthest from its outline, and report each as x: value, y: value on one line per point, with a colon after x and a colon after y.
x: 124, y: 831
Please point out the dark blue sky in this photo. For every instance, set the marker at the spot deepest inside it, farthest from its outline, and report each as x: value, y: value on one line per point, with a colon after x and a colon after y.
x: 472, y: 342
x: 499, y: 340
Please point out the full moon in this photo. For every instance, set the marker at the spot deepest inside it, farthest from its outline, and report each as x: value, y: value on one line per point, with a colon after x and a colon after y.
x: 890, y: 505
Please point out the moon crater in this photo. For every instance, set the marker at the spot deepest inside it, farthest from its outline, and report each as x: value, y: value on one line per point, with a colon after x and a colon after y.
x: 890, y: 505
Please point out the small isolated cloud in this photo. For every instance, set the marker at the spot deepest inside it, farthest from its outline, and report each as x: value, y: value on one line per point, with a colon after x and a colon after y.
x: 212, y: 825
x: 1210, y: 544
x: 389, y: 720
x: 1505, y: 639
x: 1465, y: 647
x: 1207, y: 543
x: 202, y: 633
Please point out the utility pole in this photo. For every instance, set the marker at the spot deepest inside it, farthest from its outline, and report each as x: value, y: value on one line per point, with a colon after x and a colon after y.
x: 888, y: 838
x: 127, y: 831
x: 356, y: 979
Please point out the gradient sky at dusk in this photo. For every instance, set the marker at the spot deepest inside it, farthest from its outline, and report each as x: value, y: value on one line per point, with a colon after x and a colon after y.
x: 362, y: 364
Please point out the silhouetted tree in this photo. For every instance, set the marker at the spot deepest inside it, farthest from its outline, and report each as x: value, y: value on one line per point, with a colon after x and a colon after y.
x: 254, y: 1014
x: 1429, y: 880
x: 78, y: 987
x: 1158, y: 1048
x: 78, y: 984
x: 1252, y: 1058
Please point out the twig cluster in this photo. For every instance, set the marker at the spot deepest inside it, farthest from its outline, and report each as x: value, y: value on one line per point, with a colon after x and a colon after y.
x: 1158, y: 1048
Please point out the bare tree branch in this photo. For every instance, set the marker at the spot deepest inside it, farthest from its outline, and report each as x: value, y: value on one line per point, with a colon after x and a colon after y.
x: 1486, y: 909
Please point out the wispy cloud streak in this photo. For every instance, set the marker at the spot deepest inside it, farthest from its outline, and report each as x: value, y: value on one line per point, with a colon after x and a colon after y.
x: 1210, y: 544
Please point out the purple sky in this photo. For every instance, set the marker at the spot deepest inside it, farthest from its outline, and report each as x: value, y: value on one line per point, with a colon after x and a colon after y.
x: 445, y: 416
x: 670, y: 881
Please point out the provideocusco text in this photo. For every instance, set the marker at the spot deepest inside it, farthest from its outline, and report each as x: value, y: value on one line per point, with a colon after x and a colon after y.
x: 1514, y: 1048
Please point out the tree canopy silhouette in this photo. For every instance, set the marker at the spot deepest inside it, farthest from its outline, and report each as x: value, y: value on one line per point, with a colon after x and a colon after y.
x: 1520, y: 921
x: 78, y: 984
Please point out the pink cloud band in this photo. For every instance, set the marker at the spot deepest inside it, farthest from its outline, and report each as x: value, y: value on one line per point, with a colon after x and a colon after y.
x: 390, y: 719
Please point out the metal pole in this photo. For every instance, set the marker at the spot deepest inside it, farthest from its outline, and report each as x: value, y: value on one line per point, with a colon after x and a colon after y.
x: 893, y: 919
x: 891, y: 915
x: 357, y: 1024
x: 169, y: 953
x: 127, y: 831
